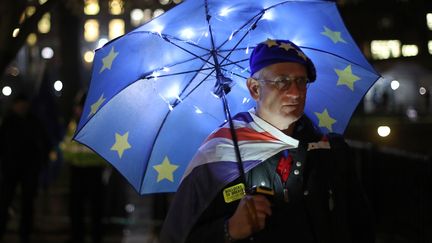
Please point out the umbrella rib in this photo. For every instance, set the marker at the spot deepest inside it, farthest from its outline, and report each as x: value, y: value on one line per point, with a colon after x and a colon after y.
x: 241, y: 39
x: 179, y: 73
x: 193, y: 54
x: 202, y: 69
x: 174, y: 64
x: 234, y: 62
x: 167, y: 39
x: 196, y: 73
x: 164, y: 36
x: 166, y: 117
x: 258, y: 17
x: 250, y: 20
x: 192, y: 90
x: 333, y: 54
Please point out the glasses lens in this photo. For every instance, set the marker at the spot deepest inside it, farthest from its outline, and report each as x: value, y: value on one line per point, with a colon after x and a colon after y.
x: 287, y: 82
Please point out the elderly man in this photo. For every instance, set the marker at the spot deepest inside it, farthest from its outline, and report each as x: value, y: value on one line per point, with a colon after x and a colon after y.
x: 300, y: 185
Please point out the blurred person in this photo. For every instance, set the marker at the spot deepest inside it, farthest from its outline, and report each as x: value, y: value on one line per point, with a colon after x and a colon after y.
x: 300, y: 184
x: 86, y: 184
x: 24, y: 148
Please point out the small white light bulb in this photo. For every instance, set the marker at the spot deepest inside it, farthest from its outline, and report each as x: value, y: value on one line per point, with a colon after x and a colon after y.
x: 58, y: 85
x: 383, y: 131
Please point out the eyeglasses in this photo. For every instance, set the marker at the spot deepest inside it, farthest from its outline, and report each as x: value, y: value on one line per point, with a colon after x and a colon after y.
x: 285, y: 83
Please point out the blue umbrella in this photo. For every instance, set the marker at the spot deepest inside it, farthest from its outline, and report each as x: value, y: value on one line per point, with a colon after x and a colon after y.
x: 158, y: 91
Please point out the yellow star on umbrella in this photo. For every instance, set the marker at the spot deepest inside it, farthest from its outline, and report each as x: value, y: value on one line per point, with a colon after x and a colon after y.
x: 325, y: 120
x: 108, y: 60
x: 335, y: 36
x: 165, y: 170
x: 95, y: 106
x: 270, y: 43
x: 121, y: 143
x: 346, y: 77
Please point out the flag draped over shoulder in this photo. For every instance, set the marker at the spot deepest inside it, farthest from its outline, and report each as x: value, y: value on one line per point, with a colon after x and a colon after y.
x: 215, y: 165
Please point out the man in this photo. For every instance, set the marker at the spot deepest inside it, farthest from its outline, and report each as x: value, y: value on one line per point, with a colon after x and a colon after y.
x: 86, y: 184
x: 24, y: 148
x: 313, y: 194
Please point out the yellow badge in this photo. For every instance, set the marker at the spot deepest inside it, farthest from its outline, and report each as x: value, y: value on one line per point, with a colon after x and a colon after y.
x: 234, y: 193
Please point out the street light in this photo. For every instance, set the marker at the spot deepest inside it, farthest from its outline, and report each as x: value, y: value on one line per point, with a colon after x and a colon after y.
x: 58, y: 85
x: 7, y: 90
x: 394, y: 84
x: 383, y: 131
x: 47, y: 53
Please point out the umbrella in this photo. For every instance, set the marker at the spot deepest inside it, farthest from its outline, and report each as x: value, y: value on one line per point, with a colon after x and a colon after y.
x: 159, y: 90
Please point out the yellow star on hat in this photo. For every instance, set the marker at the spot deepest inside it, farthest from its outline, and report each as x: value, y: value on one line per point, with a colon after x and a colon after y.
x: 286, y: 46
x: 270, y: 43
x: 302, y: 55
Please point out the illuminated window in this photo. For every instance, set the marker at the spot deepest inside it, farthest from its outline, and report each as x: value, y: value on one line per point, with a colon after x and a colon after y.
x: 384, y: 49
x: 17, y: 30
x: 116, y: 7
x: 42, y: 1
x: 116, y: 28
x: 137, y: 16
x: 88, y: 56
x: 158, y: 12
x: 30, y: 10
x: 91, y: 30
x: 91, y: 7
x: 429, y: 20
x: 31, y: 39
x: 409, y: 50
x: 102, y: 42
x: 148, y: 13
x: 44, y: 25
x: 164, y: 2
x: 430, y: 46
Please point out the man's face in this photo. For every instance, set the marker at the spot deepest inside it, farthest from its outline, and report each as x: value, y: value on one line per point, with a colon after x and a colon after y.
x: 280, y: 105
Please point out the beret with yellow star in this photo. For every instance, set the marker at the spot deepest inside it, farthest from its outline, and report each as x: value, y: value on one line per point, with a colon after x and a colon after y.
x: 276, y: 51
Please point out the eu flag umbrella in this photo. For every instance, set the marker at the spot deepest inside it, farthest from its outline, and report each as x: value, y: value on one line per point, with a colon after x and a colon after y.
x: 158, y: 91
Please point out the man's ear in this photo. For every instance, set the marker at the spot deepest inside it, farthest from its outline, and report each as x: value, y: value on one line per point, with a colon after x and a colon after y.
x: 254, y: 88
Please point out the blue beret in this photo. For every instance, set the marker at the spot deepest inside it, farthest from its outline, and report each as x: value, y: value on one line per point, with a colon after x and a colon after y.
x: 276, y: 51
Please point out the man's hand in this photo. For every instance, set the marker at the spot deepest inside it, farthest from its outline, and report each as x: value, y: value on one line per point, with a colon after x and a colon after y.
x: 249, y: 216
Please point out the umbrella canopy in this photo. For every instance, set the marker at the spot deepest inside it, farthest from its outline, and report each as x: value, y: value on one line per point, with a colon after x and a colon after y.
x: 156, y: 92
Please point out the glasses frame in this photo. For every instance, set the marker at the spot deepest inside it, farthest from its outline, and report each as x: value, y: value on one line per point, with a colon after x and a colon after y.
x: 285, y: 82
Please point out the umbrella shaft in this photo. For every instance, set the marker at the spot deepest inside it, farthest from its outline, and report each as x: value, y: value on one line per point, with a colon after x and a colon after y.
x: 234, y: 138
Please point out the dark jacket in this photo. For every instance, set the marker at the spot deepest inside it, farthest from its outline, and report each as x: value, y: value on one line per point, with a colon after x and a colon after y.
x: 326, y: 202
x: 24, y: 144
